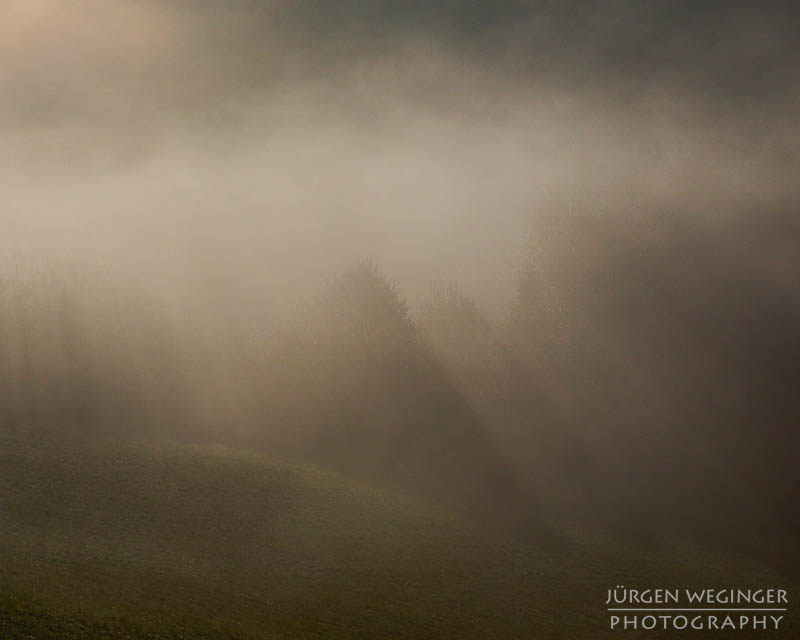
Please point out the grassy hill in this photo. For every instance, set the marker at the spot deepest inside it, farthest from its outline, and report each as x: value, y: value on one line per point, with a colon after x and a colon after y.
x: 159, y: 540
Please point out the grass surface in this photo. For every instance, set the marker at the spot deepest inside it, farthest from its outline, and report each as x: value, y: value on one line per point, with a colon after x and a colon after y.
x: 157, y: 540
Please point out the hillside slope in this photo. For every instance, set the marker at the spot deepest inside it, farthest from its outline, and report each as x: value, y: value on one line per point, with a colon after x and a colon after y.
x: 161, y: 540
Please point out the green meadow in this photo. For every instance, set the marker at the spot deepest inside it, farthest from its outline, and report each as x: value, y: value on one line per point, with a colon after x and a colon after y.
x: 161, y: 540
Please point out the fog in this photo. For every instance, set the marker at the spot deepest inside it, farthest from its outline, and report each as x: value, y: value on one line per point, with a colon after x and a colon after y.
x: 580, y: 220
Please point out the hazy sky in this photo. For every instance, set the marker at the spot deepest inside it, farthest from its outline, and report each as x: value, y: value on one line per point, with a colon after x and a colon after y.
x: 262, y: 146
